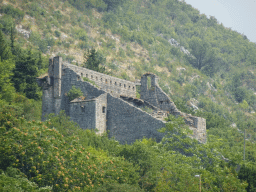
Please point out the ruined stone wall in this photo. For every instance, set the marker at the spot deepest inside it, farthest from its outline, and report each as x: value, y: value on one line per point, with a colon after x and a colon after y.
x: 127, y: 123
x: 104, y: 111
x: 84, y: 113
x: 47, y: 102
x: 69, y: 79
x: 101, y: 113
x: 157, y: 97
x: 110, y: 84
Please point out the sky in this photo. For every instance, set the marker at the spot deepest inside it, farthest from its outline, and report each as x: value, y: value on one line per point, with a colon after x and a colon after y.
x: 239, y: 15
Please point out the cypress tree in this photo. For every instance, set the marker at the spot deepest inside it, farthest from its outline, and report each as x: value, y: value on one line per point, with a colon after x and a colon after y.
x: 5, y: 51
x: 25, y: 74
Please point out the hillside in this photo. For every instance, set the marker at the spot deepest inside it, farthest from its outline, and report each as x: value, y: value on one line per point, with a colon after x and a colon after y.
x: 207, y: 69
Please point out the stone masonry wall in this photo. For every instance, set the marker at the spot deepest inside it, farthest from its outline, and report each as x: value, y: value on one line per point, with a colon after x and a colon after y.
x: 157, y: 97
x: 84, y: 113
x: 101, y: 113
x: 127, y: 123
x: 110, y: 84
x: 103, y: 109
x: 69, y: 79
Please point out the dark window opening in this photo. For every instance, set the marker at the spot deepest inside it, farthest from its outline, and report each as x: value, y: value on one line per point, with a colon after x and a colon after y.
x: 124, y: 86
x: 92, y: 77
x: 83, y: 109
x: 161, y: 102
x: 149, y: 83
x: 120, y: 84
x: 103, y: 109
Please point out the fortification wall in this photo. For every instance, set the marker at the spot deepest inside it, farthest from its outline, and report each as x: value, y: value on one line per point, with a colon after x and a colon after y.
x: 47, y: 102
x: 157, y: 97
x: 112, y: 85
x: 69, y: 79
x: 84, y: 113
x: 101, y: 113
x: 127, y: 123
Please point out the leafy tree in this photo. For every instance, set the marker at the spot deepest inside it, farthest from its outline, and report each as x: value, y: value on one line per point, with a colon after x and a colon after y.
x: 93, y: 60
x: 6, y: 89
x: 5, y: 50
x: 14, y: 180
x: 113, y: 4
x: 25, y: 74
x: 203, y: 56
x: 74, y: 93
x: 248, y: 173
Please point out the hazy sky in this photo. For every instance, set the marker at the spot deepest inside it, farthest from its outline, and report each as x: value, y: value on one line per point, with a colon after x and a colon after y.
x: 239, y: 15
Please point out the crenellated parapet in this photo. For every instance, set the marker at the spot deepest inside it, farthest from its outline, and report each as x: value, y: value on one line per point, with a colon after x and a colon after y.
x: 110, y: 105
x: 112, y: 85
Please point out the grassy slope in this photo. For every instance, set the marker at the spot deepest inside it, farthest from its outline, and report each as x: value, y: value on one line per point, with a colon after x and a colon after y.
x: 119, y: 37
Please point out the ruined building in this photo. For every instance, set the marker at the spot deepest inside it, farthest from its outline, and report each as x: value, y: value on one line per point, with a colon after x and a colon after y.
x: 112, y: 105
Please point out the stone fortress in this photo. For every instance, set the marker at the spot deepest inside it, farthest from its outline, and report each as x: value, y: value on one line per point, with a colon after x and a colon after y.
x: 111, y: 106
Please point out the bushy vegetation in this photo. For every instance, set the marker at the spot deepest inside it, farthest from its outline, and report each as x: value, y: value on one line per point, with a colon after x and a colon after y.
x: 74, y: 93
x: 126, y: 39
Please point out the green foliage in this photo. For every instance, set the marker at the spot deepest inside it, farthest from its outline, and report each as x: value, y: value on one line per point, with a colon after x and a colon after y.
x: 81, y: 35
x: 14, y: 12
x: 84, y: 5
x: 5, y: 50
x: 93, y: 60
x: 248, y: 173
x: 6, y: 24
x: 25, y: 74
x: 6, y: 89
x: 113, y: 4
x: 57, y: 33
x: 88, y: 80
x: 49, y: 158
x: 204, y: 56
x: 14, y: 180
x: 74, y: 93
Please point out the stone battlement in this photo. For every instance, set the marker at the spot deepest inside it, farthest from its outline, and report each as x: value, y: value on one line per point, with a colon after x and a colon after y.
x: 110, y: 84
x: 111, y: 106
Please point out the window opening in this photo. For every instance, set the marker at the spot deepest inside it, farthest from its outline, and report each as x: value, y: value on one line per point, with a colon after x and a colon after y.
x: 103, y: 109
x: 149, y: 82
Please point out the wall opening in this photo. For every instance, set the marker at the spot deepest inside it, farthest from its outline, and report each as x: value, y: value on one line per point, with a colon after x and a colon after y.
x: 91, y: 76
x: 103, y: 109
x: 148, y: 82
x: 82, y: 75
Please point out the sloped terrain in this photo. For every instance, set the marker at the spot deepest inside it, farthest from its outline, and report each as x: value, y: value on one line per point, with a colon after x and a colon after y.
x: 207, y: 69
